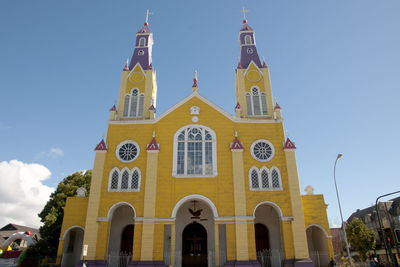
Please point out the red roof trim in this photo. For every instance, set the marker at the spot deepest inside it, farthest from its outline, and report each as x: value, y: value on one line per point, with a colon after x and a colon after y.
x: 153, y: 146
x: 236, y: 145
x: 152, y: 108
x: 101, y: 146
x: 113, y: 108
x: 194, y: 83
x: 289, y: 144
x: 238, y: 106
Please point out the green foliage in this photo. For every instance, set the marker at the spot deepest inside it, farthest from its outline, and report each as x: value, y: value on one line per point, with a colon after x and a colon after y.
x: 362, y: 238
x: 53, y: 212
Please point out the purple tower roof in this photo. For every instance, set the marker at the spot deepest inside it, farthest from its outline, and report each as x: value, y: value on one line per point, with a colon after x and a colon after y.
x: 143, y: 46
x: 248, y: 50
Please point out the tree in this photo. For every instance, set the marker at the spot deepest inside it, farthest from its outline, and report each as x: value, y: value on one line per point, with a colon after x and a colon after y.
x: 362, y: 238
x: 53, y: 212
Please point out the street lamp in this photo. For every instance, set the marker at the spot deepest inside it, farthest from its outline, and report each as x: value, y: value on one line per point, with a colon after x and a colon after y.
x: 340, y: 209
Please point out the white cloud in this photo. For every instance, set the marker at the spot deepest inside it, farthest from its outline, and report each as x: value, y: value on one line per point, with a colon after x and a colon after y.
x: 22, y: 192
x: 52, y: 153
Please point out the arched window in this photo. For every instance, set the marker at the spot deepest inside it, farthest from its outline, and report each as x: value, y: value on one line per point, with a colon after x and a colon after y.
x: 114, y: 180
x: 265, y: 179
x: 195, y: 152
x: 142, y: 41
x: 247, y: 39
x: 256, y: 103
x: 135, y: 179
x: 133, y: 106
x: 254, y: 179
x: 276, y: 178
x: 125, y: 180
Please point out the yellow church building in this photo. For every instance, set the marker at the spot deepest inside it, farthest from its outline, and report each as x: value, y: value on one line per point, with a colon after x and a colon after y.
x: 195, y: 186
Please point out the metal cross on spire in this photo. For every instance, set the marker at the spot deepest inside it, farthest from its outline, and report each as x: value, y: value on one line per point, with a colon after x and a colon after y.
x: 244, y: 11
x: 147, y: 15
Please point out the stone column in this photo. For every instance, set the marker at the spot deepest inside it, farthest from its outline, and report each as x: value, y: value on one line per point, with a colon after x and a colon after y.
x: 150, y: 193
x: 91, y: 225
x: 242, y: 253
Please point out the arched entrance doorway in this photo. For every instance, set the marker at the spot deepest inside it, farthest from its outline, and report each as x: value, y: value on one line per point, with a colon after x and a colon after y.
x: 120, y: 240
x: 194, y: 246
x: 194, y: 220
x: 317, y: 247
x: 267, y: 230
x: 73, y: 241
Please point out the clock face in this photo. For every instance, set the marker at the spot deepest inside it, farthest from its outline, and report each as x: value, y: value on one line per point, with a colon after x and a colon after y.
x: 250, y: 50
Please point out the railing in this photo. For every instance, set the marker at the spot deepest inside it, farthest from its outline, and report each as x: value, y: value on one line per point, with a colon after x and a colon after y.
x: 269, y: 258
x: 118, y: 259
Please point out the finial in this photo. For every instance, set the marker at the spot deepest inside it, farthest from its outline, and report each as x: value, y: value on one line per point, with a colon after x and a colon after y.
x: 102, y: 137
x: 287, y: 134
x: 244, y: 11
x: 147, y: 17
x: 195, y: 79
x: 235, y: 133
x: 264, y: 64
x: 154, y: 134
x: 126, y: 68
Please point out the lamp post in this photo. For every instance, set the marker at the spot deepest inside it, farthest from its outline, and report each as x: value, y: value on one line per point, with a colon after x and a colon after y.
x: 340, y: 209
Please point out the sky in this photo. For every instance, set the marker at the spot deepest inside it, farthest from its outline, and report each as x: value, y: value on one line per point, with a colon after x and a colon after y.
x: 334, y: 69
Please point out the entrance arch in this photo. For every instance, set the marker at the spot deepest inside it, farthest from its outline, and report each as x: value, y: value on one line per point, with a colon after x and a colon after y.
x: 268, y: 235
x: 194, y: 246
x: 120, y: 240
x: 191, y: 210
x: 317, y: 246
x: 73, y: 240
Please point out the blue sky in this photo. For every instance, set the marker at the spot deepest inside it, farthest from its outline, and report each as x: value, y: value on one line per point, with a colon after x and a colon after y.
x: 334, y: 68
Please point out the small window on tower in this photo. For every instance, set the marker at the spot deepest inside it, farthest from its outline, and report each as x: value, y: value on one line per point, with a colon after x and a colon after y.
x: 140, y: 52
x: 247, y: 39
x: 142, y: 41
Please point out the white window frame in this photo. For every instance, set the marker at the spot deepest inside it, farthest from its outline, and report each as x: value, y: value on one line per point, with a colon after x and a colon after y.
x: 130, y: 96
x: 261, y: 95
x: 123, y: 143
x: 144, y: 42
x: 266, y: 141
x: 120, y: 172
x: 269, y: 171
x: 213, y: 151
x: 248, y: 39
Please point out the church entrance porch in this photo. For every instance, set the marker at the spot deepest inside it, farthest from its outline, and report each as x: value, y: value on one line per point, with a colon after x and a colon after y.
x: 194, y: 238
x: 317, y: 246
x: 194, y: 246
x: 72, y: 247
x: 120, y: 241
x: 268, y: 236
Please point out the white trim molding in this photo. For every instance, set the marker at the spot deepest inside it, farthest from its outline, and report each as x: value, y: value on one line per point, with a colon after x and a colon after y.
x: 117, y: 205
x: 70, y: 228
x: 213, y: 142
x: 321, y: 228
x: 123, y: 143
x: 272, y: 204
x: 194, y: 197
x: 260, y: 141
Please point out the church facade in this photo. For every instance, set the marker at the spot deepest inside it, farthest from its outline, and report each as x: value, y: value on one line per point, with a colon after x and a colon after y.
x: 195, y: 186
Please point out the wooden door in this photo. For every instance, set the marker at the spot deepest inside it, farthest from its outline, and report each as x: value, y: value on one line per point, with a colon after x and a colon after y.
x: 194, y: 246
x: 127, y: 240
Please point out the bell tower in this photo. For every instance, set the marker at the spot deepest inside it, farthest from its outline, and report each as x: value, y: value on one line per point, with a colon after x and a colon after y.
x: 138, y: 90
x: 252, y: 83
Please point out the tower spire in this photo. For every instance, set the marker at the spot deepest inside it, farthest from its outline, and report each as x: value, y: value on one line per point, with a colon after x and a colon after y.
x: 244, y: 11
x: 146, y: 23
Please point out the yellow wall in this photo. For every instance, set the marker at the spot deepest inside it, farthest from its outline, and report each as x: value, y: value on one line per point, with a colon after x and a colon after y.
x: 74, y: 215
x: 314, y: 209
